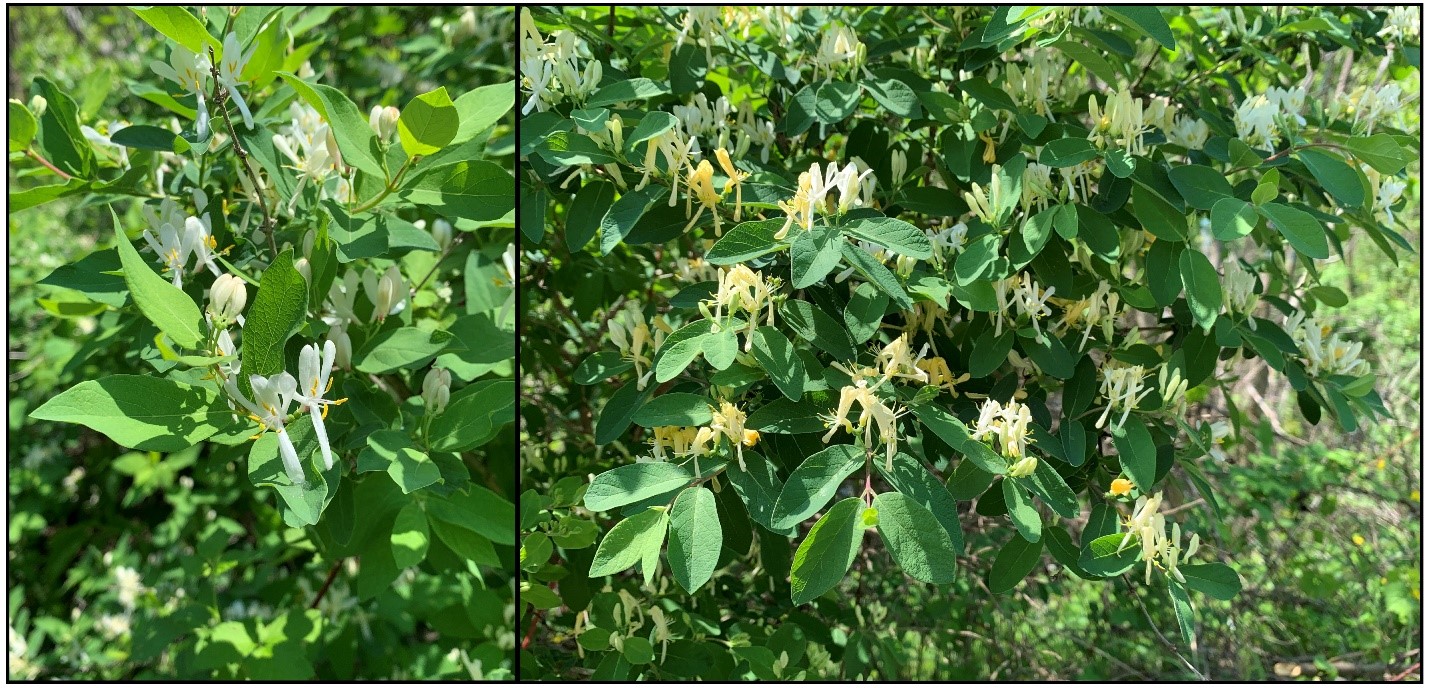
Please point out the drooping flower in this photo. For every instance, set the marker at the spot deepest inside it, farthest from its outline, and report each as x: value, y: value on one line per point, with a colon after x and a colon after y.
x: 729, y: 421
x: 272, y: 395
x: 437, y: 389
x: 388, y: 293
x: 873, y: 413
x: 230, y: 72
x: 227, y: 297
x: 1123, y: 389
x: 1008, y: 426
x: 191, y: 72
x: 314, y: 382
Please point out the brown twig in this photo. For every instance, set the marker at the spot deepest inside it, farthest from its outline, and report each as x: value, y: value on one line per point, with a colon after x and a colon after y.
x: 332, y: 575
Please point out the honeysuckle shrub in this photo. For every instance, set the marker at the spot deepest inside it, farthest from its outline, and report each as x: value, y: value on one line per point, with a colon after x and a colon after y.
x: 279, y: 372
x: 813, y: 286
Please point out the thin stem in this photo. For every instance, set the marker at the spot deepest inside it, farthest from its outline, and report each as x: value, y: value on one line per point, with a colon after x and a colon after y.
x: 220, y: 99
x: 332, y: 574
x: 41, y: 159
x: 453, y: 244
x: 386, y: 191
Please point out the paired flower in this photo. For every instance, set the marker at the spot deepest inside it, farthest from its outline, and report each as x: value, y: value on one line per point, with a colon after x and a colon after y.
x: 873, y: 412
x: 383, y: 121
x: 388, y: 293
x: 227, y: 297
x: 1008, y: 426
x: 1101, y: 308
x: 230, y: 72
x: 190, y: 71
x: 436, y: 389
x: 174, y: 237
x: 1028, y: 300
x: 1150, y: 529
x: 1123, y: 389
x: 628, y: 331
x: 742, y: 290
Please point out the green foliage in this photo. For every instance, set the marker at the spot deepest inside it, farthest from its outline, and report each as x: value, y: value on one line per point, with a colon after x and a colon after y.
x: 174, y: 520
x: 1047, y: 247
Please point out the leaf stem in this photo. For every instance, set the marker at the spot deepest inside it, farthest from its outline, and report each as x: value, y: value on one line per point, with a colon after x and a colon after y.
x: 51, y: 166
x: 332, y: 574
x: 220, y: 98
x: 391, y: 187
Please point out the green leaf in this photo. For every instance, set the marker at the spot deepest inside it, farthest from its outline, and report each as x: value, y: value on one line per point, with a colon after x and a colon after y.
x: 877, y: 275
x: 145, y: 137
x: 355, y: 138
x: 23, y: 126
x: 813, y: 254
x: 774, y: 352
x: 679, y: 350
x: 170, y: 309
x: 674, y: 409
x: 482, y: 107
x: 745, y: 241
x: 1146, y: 20
x: 1232, y: 218
x: 1182, y: 605
x: 916, y: 482
x: 631, y: 483
x: 1015, y: 561
x: 1381, y: 152
x: 410, y: 536
x: 630, y: 542
x: 403, y: 347
x: 1053, y: 490
x: 591, y: 204
x: 478, y: 190
x: 865, y: 312
x: 479, y: 510
x: 720, y: 348
x: 1020, y: 509
x: 616, y: 415
x: 1305, y: 232
x: 695, y: 538
x: 1067, y: 152
x: 976, y: 258
x: 1061, y: 546
x: 955, y: 434
x: 624, y: 214
x: 1202, y: 285
x: 990, y: 351
x: 429, y: 122
x: 827, y: 552
x: 639, y: 88
x: 1136, y: 452
x: 688, y: 67
x: 392, y: 451
x: 819, y: 328
x: 60, y: 138
x: 758, y: 485
x: 305, y: 502
x: 896, y: 235
x: 474, y: 415
x: 1333, y: 173
x: 814, y: 483
x: 1090, y: 59
x: 176, y: 24
x: 1038, y: 229
x: 1158, y: 216
x: 835, y: 101
x: 915, y: 538
x: 894, y: 95
x: 1106, y: 556
x: 1119, y: 163
x: 1199, y: 185
x: 140, y: 412
x: 466, y: 544
x: 655, y: 123
x: 1215, y: 579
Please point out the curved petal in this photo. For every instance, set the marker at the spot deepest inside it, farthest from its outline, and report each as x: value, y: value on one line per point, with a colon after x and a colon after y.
x: 290, y: 458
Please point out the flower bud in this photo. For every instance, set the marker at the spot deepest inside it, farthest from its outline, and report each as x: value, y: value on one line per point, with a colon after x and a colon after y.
x: 227, y: 297
x: 308, y: 239
x: 436, y: 389
x: 442, y: 233
x: 38, y: 104
x: 304, y: 269
x: 383, y: 121
x: 343, y: 344
x: 466, y: 24
x: 1024, y: 467
x: 387, y: 294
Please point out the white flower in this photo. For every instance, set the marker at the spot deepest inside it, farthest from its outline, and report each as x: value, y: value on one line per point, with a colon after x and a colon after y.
x: 342, y: 298
x: 1122, y: 388
x: 127, y: 585
x: 840, y: 45
x: 113, y: 626
x: 314, y: 382
x: 1008, y: 426
x: 1402, y: 23
x: 442, y: 233
x: 230, y: 72
x: 1239, y: 285
x: 1189, y: 133
x: 98, y: 139
x: 1255, y: 118
x: 272, y: 396
x: 191, y: 72
x: 436, y: 389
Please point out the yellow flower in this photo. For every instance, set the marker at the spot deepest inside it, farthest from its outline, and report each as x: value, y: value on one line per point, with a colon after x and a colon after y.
x: 1358, y: 539
x: 736, y: 177
x: 1121, y: 486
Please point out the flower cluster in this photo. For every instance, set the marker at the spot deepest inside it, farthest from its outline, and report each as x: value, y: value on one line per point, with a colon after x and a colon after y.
x: 1123, y: 389
x: 1008, y: 426
x: 552, y: 71
x: 1158, y: 550
x: 741, y: 290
